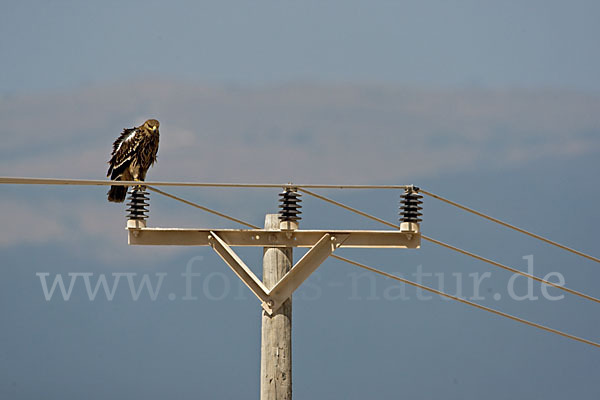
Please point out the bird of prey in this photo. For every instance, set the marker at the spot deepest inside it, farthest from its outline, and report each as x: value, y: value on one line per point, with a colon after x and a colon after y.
x: 133, y: 153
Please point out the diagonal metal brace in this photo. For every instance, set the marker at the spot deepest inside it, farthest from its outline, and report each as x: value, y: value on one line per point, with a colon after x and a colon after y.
x: 274, y: 298
x: 238, y: 266
x: 302, y: 270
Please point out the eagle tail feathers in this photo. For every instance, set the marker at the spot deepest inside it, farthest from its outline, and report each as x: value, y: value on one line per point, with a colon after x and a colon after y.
x: 117, y: 194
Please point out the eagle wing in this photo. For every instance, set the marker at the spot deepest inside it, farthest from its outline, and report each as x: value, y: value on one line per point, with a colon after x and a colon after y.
x: 124, y: 151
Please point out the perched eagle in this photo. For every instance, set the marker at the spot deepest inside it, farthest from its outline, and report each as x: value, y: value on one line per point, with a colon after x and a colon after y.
x: 133, y: 153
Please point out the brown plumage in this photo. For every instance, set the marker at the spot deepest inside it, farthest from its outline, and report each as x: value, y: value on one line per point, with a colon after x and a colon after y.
x: 133, y: 153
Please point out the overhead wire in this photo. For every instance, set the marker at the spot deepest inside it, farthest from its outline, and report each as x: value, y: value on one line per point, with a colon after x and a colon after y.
x: 354, y: 210
x: 92, y: 182
x: 467, y: 302
x: 510, y: 226
x: 97, y: 182
x: 513, y: 270
x: 239, y: 221
x: 302, y: 188
x: 377, y: 271
x: 450, y: 247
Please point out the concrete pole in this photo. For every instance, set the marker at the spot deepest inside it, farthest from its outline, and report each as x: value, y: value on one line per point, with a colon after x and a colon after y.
x: 276, y: 344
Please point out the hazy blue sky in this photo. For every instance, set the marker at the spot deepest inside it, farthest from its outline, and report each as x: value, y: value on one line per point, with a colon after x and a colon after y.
x: 495, y: 104
x: 62, y: 44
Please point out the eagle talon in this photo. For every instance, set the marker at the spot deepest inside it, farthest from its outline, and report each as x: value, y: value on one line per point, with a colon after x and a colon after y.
x: 138, y: 187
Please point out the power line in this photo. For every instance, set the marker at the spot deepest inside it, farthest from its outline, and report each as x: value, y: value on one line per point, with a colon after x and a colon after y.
x: 49, y: 181
x: 377, y: 271
x: 364, y: 214
x: 490, y: 218
x: 239, y: 221
x: 551, y: 330
x: 91, y: 182
x: 506, y: 267
x: 480, y: 258
x: 449, y: 296
x: 354, y: 210
x: 95, y: 182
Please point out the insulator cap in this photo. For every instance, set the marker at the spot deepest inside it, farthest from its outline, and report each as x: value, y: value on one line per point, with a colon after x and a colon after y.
x: 138, y: 198
x: 290, y: 205
x: 410, y: 205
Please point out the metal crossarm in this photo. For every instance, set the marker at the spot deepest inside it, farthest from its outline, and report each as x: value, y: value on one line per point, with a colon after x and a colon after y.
x: 272, y: 238
x: 321, y: 244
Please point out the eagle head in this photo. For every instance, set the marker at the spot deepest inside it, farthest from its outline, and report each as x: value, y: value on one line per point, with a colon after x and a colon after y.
x: 152, y: 125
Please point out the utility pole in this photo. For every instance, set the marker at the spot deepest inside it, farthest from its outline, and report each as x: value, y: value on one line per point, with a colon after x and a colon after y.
x: 276, y: 338
x: 281, y: 277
